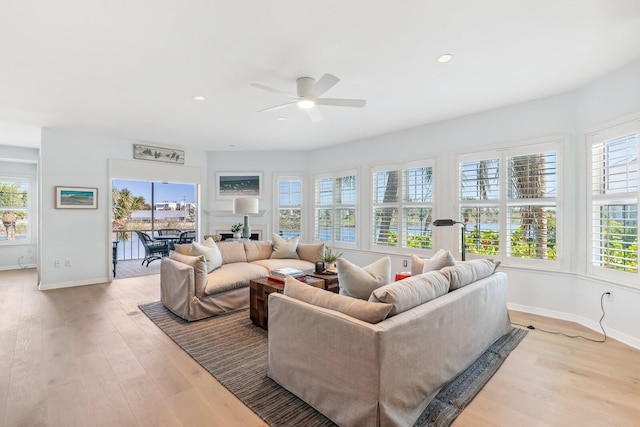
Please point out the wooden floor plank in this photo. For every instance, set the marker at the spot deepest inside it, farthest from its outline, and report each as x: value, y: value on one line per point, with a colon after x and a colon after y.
x: 88, y: 356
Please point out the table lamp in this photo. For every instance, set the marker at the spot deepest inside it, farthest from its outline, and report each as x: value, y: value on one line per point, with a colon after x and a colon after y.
x: 245, y: 206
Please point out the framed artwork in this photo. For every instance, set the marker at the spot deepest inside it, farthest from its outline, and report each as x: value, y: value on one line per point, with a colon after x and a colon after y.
x: 230, y: 185
x: 76, y: 198
x: 158, y: 154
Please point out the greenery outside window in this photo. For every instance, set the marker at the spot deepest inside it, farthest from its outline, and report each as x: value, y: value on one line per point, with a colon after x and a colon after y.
x: 289, y: 206
x: 335, y: 208
x: 614, y: 200
x: 14, y: 206
x: 402, y: 206
x: 508, y: 202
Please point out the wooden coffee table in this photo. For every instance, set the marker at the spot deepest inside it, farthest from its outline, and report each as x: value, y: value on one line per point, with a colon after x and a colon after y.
x: 330, y: 280
x: 259, y: 290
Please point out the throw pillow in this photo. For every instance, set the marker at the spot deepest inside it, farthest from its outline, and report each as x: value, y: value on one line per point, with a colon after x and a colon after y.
x: 468, y: 272
x: 199, y: 264
x: 445, y: 259
x: 412, y: 291
x: 371, y: 312
x: 310, y: 252
x: 417, y: 263
x: 184, y: 249
x: 211, y: 254
x: 359, y: 282
x: 284, y: 248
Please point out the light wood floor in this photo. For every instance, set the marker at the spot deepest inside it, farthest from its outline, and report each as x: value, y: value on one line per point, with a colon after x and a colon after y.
x: 87, y: 356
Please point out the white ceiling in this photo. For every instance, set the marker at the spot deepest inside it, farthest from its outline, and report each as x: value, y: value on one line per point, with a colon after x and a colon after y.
x: 130, y: 68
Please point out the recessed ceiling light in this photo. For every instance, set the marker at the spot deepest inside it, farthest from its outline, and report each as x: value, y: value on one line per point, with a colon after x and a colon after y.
x: 281, y: 118
x: 444, y: 58
x: 199, y: 98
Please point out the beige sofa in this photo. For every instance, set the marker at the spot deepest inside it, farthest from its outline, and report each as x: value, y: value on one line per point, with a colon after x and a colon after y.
x: 191, y: 293
x: 384, y: 374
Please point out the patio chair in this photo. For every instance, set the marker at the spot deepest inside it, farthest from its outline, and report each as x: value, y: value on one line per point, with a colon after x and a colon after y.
x: 169, y: 232
x: 187, y: 237
x: 153, y: 249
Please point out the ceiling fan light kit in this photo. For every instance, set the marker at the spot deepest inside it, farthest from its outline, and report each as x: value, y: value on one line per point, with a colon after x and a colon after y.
x: 308, y: 92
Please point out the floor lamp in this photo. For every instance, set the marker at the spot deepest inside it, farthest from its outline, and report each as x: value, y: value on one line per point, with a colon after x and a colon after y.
x: 449, y: 223
x: 245, y: 206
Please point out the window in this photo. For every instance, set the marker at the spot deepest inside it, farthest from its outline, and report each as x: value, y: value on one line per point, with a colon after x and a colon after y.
x: 14, y: 205
x: 335, y: 208
x: 614, y: 199
x: 289, y: 206
x: 508, y: 202
x: 402, y: 206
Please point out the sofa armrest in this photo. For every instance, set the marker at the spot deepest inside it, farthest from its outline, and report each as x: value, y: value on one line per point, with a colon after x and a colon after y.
x: 177, y: 286
x: 328, y: 359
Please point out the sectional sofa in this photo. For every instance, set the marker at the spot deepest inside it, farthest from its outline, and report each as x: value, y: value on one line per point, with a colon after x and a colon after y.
x: 380, y: 362
x: 203, y: 280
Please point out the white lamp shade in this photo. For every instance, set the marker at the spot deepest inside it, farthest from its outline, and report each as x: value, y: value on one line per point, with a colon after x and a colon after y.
x: 245, y: 206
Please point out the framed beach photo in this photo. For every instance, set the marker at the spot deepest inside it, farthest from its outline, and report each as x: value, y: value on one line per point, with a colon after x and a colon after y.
x: 230, y: 185
x: 76, y: 198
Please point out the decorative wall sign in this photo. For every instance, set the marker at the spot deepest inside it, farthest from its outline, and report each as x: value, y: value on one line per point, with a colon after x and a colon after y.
x: 76, y: 198
x: 158, y: 154
x: 230, y: 185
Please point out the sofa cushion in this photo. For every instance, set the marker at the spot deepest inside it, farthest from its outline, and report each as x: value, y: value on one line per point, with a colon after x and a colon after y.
x: 444, y: 259
x: 310, y: 252
x: 233, y: 276
x: 199, y: 264
x: 210, y: 252
x: 285, y: 248
x: 417, y: 263
x: 468, y: 272
x: 371, y: 312
x: 271, y: 264
x: 412, y: 291
x: 184, y: 249
x: 232, y: 252
x: 257, y: 249
x: 359, y: 282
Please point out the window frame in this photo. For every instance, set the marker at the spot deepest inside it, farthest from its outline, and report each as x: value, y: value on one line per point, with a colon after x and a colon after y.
x: 503, y: 153
x: 31, y: 194
x: 623, y: 127
x: 335, y: 206
x: 278, y: 207
x: 401, y: 204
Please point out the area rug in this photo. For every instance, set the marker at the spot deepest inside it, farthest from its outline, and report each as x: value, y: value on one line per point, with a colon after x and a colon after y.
x: 234, y: 351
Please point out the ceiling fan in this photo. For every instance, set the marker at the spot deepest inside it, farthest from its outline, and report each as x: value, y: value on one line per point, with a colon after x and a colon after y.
x: 308, y: 96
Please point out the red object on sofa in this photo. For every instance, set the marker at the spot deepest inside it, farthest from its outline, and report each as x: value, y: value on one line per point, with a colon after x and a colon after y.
x: 402, y: 275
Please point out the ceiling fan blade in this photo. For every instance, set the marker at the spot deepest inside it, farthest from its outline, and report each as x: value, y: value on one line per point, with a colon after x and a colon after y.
x: 325, y: 83
x: 273, y: 90
x: 341, y: 102
x: 276, y: 107
x: 314, y: 114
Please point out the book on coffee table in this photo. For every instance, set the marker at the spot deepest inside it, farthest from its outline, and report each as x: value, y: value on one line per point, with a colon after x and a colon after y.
x: 287, y: 271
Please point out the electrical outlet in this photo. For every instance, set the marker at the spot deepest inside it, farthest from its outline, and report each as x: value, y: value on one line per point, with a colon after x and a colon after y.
x: 67, y: 263
x: 404, y: 263
x: 57, y: 263
x: 609, y: 296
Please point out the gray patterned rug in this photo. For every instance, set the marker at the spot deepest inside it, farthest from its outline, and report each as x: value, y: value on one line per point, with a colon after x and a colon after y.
x: 234, y: 351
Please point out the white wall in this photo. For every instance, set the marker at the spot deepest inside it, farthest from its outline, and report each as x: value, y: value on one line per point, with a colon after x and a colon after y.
x: 17, y: 161
x: 219, y: 213
x: 84, y: 236
x: 73, y: 159
x: 569, y: 294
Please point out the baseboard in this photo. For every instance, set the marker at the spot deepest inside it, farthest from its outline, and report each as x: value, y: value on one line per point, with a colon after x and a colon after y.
x: 17, y: 267
x: 61, y: 285
x: 588, y: 323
